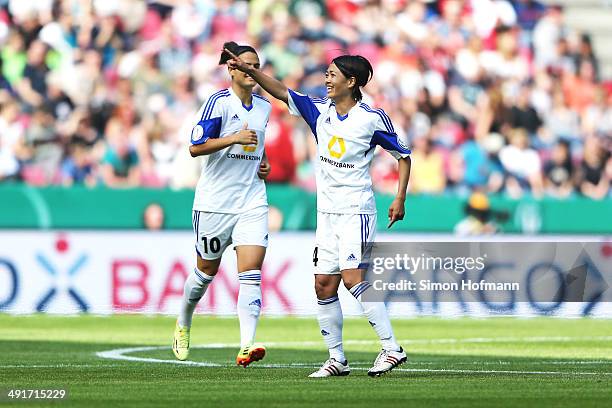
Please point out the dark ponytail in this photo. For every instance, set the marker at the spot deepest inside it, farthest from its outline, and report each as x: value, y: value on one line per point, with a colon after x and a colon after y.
x: 355, y: 66
x: 236, y: 49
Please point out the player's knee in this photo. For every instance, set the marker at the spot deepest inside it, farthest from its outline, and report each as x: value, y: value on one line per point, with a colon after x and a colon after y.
x: 349, y: 283
x: 324, y: 288
x: 250, y: 257
x: 208, y: 267
x: 319, y: 290
x: 249, y: 266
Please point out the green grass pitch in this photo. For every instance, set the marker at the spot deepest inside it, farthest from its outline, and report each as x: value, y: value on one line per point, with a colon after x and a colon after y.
x: 458, y: 362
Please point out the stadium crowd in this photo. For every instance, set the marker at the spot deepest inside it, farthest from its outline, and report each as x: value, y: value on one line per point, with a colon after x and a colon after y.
x: 496, y: 96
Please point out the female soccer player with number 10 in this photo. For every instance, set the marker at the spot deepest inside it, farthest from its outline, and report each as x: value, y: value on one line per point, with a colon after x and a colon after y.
x: 230, y: 204
x: 347, y: 132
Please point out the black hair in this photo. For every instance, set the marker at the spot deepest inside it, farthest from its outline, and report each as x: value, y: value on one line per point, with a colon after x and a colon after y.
x: 236, y: 49
x: 565, y: 143
x: 357, y: 67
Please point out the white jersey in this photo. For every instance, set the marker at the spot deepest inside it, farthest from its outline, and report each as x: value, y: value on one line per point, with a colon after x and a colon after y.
x: 229, y: 182
x: 345, y: 147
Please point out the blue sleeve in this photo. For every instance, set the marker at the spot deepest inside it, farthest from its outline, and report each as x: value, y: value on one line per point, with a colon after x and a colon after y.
x: 304, y: 106
x: 206, y: 129
x: 390, y: 142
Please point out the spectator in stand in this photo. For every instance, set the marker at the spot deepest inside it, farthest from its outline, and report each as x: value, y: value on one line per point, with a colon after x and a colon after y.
x: 154, y: 217
x: 12, y: 142
x: 505, y: 61
x: 546, y: 35
x: 597, y: 118
x: 6, y: 89
x: 580, y: 89
x: 493, y: 117
x: 32, y: 87
x: 523, y: 115
x: 559, y: 171
x: 562, y: 122
x: 45, y: 149
x: 593, y: 180
x: 9, y: 166
x: 529, y: 13
x: 14, y: 58
x: 428, y: 170
x: 476, y: 164
x: 120, y: 161
x: 466, y: 95
x: 78, y: 167
x: 522, y: 165
x: 585, y: 53
x: 11, y: 138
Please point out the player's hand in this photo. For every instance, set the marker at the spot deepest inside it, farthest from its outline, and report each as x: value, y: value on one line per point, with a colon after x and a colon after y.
x: 236, y: 62
x: 245, y: 136
x: 396, y: 211
x: 264, y: 169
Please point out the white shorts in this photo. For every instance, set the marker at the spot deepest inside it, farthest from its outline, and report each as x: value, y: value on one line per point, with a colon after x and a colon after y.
x: 341, y: 241
x: 216, y: 231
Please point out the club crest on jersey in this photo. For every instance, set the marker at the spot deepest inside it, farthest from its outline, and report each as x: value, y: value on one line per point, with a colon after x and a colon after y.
x: 250, y: 148
x: 336, y: 147
x: 197, y: 133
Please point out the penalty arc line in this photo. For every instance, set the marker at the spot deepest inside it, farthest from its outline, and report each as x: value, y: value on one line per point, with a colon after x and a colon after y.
x: 120, y: 354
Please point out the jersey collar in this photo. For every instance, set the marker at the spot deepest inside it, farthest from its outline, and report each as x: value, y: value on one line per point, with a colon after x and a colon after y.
x: 246, y: 108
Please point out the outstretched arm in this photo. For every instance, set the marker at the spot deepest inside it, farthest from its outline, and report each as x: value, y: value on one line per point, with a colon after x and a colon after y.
x: 396, y: 210
x: 272, y: 85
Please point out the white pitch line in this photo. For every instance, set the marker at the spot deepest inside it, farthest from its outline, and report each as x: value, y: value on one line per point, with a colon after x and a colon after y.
x: 120, y: 354
x: 60, y: 365
x: 442, y: 370
x: 499, y: 362
x: 531, y: 339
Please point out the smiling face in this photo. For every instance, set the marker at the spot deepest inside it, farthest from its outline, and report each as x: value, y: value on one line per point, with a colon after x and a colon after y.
x: 240, y: 78
x: 338, y: 86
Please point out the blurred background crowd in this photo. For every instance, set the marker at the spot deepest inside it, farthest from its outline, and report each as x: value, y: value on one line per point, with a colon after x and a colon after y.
x: 492, y: 95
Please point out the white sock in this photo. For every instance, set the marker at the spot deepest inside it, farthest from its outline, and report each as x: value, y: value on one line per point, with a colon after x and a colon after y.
x: 249, y: 305
x: 378, y: 317
x: 329, y: 315
x: 195, y: 287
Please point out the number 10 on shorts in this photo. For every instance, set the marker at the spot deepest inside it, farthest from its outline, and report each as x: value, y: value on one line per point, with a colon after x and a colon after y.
x: 214, y: 244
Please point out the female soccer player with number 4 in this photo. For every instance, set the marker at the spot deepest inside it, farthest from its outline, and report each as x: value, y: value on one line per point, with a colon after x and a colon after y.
x: 230, y: 204
x: 347, y: 132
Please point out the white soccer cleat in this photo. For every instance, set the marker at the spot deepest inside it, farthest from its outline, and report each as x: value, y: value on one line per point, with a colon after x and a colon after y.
x: 330, y: 368
x: 386, y: 361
